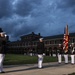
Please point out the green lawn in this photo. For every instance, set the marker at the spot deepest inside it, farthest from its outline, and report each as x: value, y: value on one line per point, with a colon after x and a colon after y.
x: 13, y: 59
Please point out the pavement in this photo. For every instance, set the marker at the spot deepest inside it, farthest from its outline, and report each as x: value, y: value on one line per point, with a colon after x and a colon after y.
x: 48, y: 69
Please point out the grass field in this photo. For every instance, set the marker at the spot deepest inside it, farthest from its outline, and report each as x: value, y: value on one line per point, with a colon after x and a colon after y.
x: 13, y: 59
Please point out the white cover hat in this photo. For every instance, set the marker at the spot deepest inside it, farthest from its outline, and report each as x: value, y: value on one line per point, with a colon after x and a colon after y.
x: 40, y: 38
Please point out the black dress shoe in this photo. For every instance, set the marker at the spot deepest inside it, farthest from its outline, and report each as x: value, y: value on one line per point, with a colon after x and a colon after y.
x: 59, y: 63
x: 40, y: 68
x: 2, y: 72
x: 66, y: 63
x: 72, y: 63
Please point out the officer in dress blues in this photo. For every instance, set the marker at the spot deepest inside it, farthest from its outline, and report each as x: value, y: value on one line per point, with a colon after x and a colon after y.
x: 40, y: 51
x: 72, y: 52
x: 59, y: 51
x: 2, y: 49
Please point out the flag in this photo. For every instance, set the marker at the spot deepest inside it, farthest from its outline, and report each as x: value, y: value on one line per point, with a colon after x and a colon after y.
x: 66, y: 39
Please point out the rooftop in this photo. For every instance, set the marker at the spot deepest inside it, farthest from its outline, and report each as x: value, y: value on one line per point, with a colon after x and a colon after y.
x: 59, y: 36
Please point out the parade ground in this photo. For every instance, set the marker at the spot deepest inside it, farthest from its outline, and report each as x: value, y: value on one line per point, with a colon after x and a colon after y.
x: 52, y: 68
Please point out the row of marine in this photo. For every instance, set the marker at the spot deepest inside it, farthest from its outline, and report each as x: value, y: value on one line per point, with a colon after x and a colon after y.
x: 70, y: 52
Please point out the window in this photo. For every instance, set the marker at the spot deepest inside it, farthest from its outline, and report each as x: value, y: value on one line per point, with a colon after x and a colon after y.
x: 46, y: 42
x: 61, y: 41
x: 26, y: 44
x: 55, y: 42
x: 73, y: 40
x: 34, y: 43
x: 50, y: 42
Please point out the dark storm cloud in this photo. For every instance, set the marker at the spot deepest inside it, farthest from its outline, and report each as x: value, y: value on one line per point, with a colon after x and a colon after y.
x: 17, y: 26
x: 13, y: 16
x: 5, y: 8
x: 49, y: 17
x: 68, y: 8
x: 23, y: 7
x: 67, y: 5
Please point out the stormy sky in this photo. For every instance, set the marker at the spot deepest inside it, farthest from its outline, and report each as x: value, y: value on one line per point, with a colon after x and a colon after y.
x: 48, y: 17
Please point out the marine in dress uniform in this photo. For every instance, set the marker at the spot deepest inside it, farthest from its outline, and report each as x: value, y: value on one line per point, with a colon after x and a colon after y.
x: 72, y: 52
x: 2, y: 49
x: 40, y: 51
x: 59, y: 51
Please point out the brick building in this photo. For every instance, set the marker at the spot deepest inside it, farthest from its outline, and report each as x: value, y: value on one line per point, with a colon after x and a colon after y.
x: 28, y: 43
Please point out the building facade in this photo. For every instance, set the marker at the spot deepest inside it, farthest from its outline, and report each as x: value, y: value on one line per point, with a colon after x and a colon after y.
x: 28, y: 44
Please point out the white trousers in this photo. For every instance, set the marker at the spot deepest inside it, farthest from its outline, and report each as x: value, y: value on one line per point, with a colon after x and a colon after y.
x: 1, y: 61
x: 59, y: 58
x: 66, y: 58
x: 40, y: 60
x: 72, y: 59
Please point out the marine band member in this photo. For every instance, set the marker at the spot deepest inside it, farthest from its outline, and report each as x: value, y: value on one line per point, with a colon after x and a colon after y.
x: 2, y: 49
x: 59, y: 51
x: 40, y: 51
x: 72, y: 52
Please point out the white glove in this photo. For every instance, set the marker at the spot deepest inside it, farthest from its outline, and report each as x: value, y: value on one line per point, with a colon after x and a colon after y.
x: 44, y: 54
